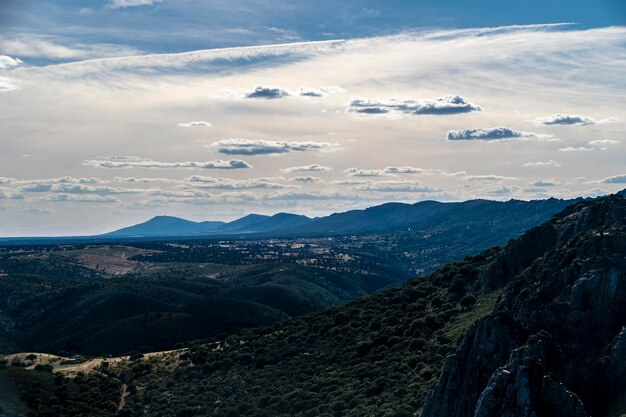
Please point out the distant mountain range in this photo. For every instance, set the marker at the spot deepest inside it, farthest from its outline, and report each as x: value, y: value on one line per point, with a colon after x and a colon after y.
x: 385, y: 217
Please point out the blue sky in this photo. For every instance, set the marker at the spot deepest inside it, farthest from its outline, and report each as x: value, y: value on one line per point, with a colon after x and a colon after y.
x: 182, y: 25
x: 115, y: 111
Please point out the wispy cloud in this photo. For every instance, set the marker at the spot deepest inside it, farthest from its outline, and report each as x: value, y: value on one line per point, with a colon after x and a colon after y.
x: 308, y: 179
x: 397, y: 186
x: 195, y: 124
x: 138, y: 162
x: 308, y: 168
x: 74, y: 198
x: 601, y: 142
x: 269, y: 147
x: 617, y: 179
x: 198, y: 181
x: 117, y: 4
x: 452, y: 104
x: 576, y: 149
x: 549, y: 163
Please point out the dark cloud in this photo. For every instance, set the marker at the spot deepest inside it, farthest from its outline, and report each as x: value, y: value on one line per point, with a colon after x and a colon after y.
x: 617, y: 179
x: 268, y: 147
x: 452, y: 104
x: 115, y: 162
x: 567, y: 119
x: 267, y: 93
x: 490, y: 133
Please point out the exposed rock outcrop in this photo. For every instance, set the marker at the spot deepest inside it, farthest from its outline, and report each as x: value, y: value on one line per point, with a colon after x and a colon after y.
x: 555, y: 343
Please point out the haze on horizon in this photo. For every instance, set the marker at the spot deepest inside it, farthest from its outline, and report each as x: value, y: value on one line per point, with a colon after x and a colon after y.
x: 114, y: 111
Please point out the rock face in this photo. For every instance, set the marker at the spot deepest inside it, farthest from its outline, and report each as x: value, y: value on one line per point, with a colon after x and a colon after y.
x: 555, y: 343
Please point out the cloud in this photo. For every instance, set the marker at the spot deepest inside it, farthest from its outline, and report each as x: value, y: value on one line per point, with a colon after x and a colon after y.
x: 59, y: 48
x: 269, y: 147
x: 198, y: 181
x: 118, y: 4
x: 489, y: 178
x: 490, y: 133
x: 617, y: 179
x: 306, y: 179
x: 570, y: 120
x: 76, y: 189
x: 600, y: 142
x: 7, y: 84
x: 11, y: 195
x: 392, y: 171
x: 37, y: 211
x: 452, y: 104
x: 7, y: 62
x: 308, y: 168
x: 365, y: 173
x: 115, y: 162
x: 397, y: 186
x: 195, y: 124
x: 134, y: 180
x: 319, y: 92
x: 576, y: 149
x: 542, y: 164
x: 74, y: 198
x: 546, y: 183
x: 267, y: 93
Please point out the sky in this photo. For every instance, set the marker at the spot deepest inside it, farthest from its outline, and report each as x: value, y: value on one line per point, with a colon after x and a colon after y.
x: 114, y: 111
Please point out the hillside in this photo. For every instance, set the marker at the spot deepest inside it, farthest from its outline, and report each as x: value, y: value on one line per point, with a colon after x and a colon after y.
x: 548, y: 309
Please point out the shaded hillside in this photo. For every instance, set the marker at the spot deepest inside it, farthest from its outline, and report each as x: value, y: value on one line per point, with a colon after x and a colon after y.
x: 84, y: 312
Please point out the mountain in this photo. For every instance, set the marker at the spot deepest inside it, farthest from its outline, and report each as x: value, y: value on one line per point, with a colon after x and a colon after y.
x: 383, y: 218
x: 166, y: 226
x: 244, y: 224
x: 531, y: 329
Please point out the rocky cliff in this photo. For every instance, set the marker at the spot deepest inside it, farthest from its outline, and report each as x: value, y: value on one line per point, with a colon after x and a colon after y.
x: 555, y: 342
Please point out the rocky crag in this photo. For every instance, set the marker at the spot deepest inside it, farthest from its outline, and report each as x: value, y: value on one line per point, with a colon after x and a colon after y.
x: 555, y: 342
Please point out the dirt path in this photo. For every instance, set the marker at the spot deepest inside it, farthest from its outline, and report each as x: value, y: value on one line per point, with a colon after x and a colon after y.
x: 123, y: 397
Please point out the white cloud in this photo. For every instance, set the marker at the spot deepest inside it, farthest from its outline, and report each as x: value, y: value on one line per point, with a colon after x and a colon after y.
x: 542, y: 164
x: 195, y: 124
x: 7, y: 84
x: 117, y: 4
x: 55, y: 48
x: 397, y: 186
x: 617, y: 179
x: 365, y: 173
x: 115, y: 162
x: 601, y: 142
x: 452, y: 104
x: 8, y: 62
x: 77, y: 198
x: 269, y: 147
x: 198, y: 181
x: 308, y: 168
x: 11, y: 195
x: 576, y: 149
